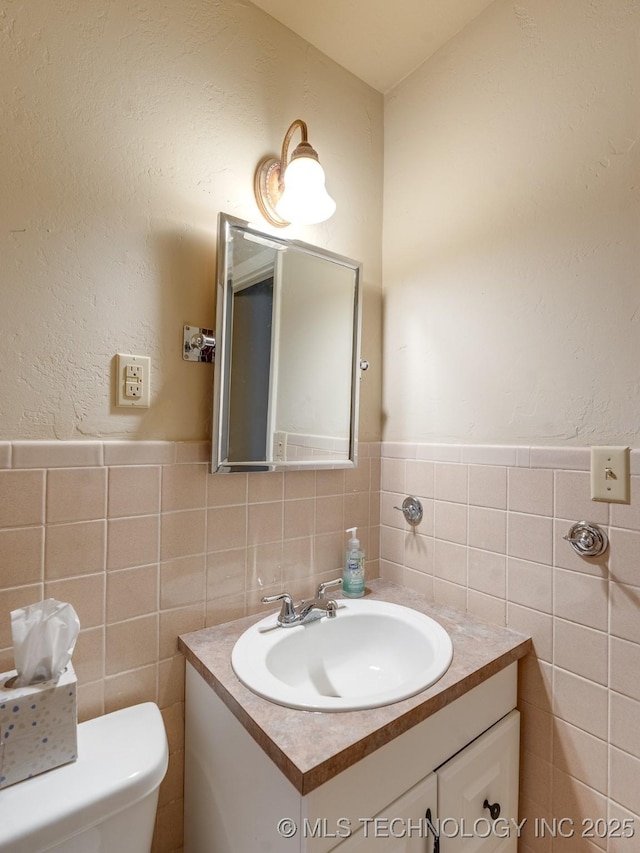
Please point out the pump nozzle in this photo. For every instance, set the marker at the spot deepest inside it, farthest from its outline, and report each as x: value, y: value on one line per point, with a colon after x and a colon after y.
x: 354, y: 542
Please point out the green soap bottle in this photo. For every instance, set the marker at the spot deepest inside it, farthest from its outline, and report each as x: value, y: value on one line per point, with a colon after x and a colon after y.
x: 353, y: 575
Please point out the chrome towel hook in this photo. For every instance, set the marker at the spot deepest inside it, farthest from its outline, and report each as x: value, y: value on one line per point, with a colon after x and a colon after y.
x: 411, y: 509
x: 587, y: 539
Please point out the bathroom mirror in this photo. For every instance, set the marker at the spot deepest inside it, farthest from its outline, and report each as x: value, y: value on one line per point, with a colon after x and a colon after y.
x: 287, y: 363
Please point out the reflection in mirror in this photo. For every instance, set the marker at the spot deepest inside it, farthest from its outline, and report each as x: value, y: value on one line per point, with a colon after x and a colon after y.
x: 287, y: 354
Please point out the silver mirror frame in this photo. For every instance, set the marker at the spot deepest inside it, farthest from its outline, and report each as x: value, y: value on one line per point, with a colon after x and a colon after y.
x: 227, y: 225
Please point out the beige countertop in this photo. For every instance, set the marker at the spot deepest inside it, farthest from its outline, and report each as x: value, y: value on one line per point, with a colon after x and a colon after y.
x: 311, y: 747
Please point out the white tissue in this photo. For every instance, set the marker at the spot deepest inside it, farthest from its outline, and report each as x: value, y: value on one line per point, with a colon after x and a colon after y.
x: 44, y: 637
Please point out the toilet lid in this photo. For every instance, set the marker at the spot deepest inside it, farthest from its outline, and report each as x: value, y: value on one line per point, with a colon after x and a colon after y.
x: 122, y: 757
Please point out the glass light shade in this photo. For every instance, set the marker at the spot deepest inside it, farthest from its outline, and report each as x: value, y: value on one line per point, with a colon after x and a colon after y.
x: 305, y: 199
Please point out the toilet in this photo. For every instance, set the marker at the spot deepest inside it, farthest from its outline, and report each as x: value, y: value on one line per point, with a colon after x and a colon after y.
x: 102, y: 803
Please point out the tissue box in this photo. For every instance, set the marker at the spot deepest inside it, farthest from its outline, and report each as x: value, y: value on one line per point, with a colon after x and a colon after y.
x: 38, y: 726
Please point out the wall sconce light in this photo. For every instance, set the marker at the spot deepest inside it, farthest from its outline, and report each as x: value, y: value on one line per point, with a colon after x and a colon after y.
x: 293, y: 191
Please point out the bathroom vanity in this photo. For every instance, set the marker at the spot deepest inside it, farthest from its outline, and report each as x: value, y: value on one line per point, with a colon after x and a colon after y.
x: 262, y: 777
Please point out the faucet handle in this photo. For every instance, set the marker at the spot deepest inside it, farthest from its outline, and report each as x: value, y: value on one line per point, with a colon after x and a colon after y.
x: 287, y: 611
x: 320, y: 591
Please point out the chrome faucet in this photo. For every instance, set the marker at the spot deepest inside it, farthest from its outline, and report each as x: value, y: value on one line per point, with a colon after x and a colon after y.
x: 307, y: 610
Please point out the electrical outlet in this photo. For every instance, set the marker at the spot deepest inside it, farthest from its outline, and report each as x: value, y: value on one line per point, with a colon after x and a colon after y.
x: 610, y: 474
x: 133, y: 381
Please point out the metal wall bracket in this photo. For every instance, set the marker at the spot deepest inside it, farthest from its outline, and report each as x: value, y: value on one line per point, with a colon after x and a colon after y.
x: 198, y: 344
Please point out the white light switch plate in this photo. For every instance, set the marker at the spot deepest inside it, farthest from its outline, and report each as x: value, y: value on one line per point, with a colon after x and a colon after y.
x: 133, y: 382
x: 610, y: 474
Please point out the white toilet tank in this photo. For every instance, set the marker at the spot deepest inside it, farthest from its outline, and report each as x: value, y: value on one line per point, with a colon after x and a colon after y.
x: 105, y: 802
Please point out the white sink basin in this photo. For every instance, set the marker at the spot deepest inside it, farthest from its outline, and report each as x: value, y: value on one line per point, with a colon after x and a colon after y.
x: 371, y: 653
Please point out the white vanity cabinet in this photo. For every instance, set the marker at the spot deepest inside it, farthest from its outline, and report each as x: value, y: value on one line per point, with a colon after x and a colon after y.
x: 453, y: 798
x: 237, y: 799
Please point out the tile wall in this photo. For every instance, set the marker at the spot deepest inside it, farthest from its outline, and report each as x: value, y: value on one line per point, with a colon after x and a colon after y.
x: 491, y: 543
x: 146, y: 544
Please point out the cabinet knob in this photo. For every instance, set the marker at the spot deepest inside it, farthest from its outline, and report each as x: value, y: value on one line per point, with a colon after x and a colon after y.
x: 494, y: 809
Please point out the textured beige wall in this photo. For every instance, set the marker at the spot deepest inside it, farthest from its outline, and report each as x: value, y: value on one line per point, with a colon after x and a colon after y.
x: 126, y: 128
x: 511, y: 237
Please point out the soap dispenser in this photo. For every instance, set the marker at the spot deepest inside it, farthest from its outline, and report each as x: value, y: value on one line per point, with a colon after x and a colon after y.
x: 353, y: 575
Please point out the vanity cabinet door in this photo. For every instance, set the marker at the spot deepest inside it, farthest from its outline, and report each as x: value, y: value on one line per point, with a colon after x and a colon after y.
x: 486, y: 771
x: 401, y: 826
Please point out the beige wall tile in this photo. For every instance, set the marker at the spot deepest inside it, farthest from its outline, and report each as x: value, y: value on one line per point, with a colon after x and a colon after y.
x: 264, y: 523
x: 625, y: 723
x: 488, y: 529
x: 134, y: 490
x: 299, y: 484
x: 450, y: 562
x: 330, y: 514
x: 90, y: 700
x: 573, y: 498
x: 86, y: 594
x: 624, y: 662
x: 356, y: 511
x: 420, y: 478
x: 225, y: 609
x: 329, y: 551
x: 419, y: 552
x: 580, y: 702
x: 182, y: 533
x: 182, y: 581
x: 300, y: 518
x: 623, y: 562
x: 530, y: 537
x: 628, y: 515
x: 130, y: 688
x: 487, y: 572
x: 580, y: 598
x: 624, y: 772
x: 298, y: 559
x: 131, y: 593
x: 358, y: 479
x: 226, y: 489
x: 581, y: 650
x: 536, y: 731
x: 580, y: 755
x: 76, y: 494
x: 226, y: 573
x: 531, y: 491
x: 88, y: 655
x: 193, y: 451
x: 625, y: 606
x: 171, y: 680
x: 12, y: 599
x: 139, y: 452
x: 530, y: 584
x: 132, y: 541
x: 74, y: 549
x: 533, y: 623
x: 392, y: 475
x: 486, y: 607
x: 56, y: 454
x: 389, y: 515
x: 226, y: 528
x: 264, y: 565
x: 451, y: 482
x: 182, y: 620
x: 450, y: 522
x: 21, y: 498
x: 488, y: 486
x: 620, y: 836
x: 131, y: 644
x: 419, y: 582
x: 265, y: 487
x: 329, y: 482
x: 5, y: 454
x: 576, y: 801
x: 21, y: 555
x: 535, y: 682
x: 535, y: 779
x: 451, y: 594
